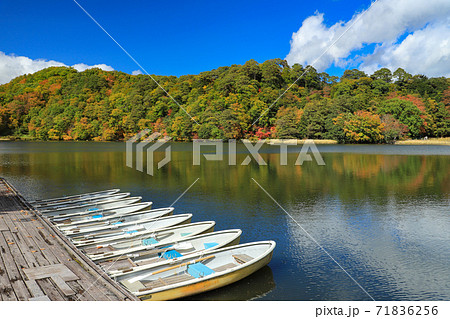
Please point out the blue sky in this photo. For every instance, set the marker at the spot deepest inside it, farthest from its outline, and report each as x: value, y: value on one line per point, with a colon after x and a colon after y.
x: 180, y: 37
x: 170, y: 38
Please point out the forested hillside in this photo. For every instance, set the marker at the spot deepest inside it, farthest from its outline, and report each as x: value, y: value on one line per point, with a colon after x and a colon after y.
x: 60, y: 103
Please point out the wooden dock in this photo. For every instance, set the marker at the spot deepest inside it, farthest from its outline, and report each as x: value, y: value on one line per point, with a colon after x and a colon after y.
x: 38, y: 263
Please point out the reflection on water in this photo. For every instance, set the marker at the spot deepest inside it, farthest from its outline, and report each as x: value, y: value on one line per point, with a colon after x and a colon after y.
x: 381, y: 212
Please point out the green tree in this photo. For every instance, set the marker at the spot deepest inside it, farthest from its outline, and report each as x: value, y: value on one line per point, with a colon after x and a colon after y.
x: 383, y: 74
x: 287, y: 124
x: 406, y: 112
x: 317, y: 120
x: 271, y: 71
x: 440, y: 119
x: 353, y: 74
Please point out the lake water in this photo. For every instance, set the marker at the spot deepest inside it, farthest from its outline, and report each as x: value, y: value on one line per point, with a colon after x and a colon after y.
x: 381, y: 212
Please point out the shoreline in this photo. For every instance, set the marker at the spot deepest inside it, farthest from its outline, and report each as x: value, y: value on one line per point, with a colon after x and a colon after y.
x: 431, y: 141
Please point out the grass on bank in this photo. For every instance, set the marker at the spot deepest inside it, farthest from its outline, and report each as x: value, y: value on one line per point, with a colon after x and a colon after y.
x: 429, y: 141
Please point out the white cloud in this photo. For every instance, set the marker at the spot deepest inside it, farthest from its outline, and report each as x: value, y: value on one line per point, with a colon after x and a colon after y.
x: 424, y: 50
x: 136, y: 72
x: 12, y: 66
x: 80, y: 67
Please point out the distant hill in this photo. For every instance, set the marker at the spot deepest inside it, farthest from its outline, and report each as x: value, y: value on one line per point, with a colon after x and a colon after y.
x: 59, y: 103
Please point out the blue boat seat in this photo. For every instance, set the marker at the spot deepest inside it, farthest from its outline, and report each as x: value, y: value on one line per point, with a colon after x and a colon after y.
x: 149, y: 241
x: 198, y: 270
x: 170, y: 254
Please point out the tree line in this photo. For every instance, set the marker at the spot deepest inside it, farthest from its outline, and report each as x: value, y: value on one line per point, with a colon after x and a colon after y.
x: 231, y: 102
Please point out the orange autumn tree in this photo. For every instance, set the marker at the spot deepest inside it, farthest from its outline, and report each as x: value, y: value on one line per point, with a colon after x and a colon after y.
x: 361, y: 127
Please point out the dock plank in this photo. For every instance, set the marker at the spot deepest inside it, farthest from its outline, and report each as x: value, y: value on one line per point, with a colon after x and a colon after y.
x: 16, y: 254
x: 14, y: 274
x: 62, y: 285
x: 81, y: 294
x: 34, y: 288
x: 3, y: 225
x: 27, y: 250
x: 6, y: 289
x: 50, y: 290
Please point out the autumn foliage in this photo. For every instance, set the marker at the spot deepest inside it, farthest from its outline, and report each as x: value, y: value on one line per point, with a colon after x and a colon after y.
x: 254, y: 100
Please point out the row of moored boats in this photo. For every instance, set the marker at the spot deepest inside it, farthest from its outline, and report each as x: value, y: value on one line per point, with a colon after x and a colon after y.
x: 154, y: 253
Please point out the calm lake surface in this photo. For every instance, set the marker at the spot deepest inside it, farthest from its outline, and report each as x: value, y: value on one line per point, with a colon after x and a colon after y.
x: 382, y: 212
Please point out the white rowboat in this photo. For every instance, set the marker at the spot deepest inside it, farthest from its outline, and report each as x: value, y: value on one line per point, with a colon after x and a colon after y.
x: 88, y: 208
x: 113, y: 222
x: 148, y: 239
x: 197, y: 273
x: 76, y: 202
x: 74, y: 197
x: 98, y: 216
x: 129, y: 229
x: 158, y: 253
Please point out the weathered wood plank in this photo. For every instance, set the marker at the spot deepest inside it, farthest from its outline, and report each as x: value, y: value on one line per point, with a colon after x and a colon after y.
x: 34, y: 288
x: 28, y: 251
x: 15, y: 252
x: 80, y: 293
x: 8, y: 220
x: 49, y: 289
x: 14, y: 275
x: 6, y: 289
x: 24, y: 247
x: 3, y: 225
x: 62, y: 286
